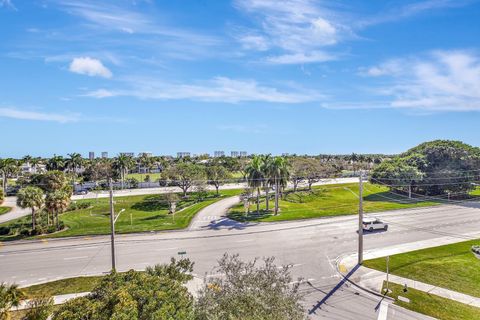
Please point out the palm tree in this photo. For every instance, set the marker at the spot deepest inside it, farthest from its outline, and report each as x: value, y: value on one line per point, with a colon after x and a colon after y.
x: 26, y: 159
x: 122, y: 163
x: 56, y: 163
x: 7, y: 167
x: 74, y: 163
x: 57, y: 202
x: 30, y: 197
x: 280, y: 171
x: 146, y: 162
x: 34, y: 162
x: 267, y: 162
x: 254, y: 175
x: 10, y: 296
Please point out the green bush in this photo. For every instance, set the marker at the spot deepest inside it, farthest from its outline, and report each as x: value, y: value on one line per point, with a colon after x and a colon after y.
x: 2, y: 196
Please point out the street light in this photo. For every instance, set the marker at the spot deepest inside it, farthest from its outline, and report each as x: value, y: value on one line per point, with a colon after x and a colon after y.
x: 113, y: 219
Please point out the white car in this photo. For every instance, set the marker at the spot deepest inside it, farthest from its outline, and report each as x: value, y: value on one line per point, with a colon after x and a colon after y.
x: 372, y: 224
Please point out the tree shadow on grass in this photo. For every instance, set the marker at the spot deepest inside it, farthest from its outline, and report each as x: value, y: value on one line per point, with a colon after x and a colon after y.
x: 156, y: 217
x: 252, y: 216
x: 151, y: 203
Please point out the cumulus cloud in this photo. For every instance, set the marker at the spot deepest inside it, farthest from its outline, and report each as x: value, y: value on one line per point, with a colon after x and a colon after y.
x: 89, y: 66
x: 219, y: 89
x: 14, y: 113
x: 439, y: 81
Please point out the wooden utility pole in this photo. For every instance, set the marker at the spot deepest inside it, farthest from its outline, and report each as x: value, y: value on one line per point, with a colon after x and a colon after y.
x: 360, y: 220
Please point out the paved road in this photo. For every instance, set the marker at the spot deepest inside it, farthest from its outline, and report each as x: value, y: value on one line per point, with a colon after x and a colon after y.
x: 312, y: 247
x: 17, y: 212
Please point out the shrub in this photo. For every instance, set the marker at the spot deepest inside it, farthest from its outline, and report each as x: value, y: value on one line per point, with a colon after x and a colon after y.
x: 4, y: 230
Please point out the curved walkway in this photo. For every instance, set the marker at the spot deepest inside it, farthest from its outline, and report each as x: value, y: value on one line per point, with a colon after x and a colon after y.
x: 16, y: 211
x: 213, y: 216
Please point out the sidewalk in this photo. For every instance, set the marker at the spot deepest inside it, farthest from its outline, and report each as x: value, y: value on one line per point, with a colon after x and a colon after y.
x: 373, y: 279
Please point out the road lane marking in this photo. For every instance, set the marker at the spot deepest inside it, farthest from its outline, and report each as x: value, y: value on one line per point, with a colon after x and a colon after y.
x: 383, y: 312
x: 75, y: 258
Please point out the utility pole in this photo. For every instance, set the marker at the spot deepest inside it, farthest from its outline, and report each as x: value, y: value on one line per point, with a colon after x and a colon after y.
x: 388, y: 271
x: 360, y: 220
x: 112, y: 224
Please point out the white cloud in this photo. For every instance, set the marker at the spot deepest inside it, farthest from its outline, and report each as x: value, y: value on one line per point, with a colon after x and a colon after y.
x: 300, y: 58
x: 7, y: 4
x: 13, y: 113
x: 440, y: 81
x: 89, y: 66
x: 219, y: 89
x: 301, y: 29
x: 254, y: 42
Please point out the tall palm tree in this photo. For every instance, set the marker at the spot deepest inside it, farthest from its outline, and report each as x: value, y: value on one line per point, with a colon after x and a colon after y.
x: 8, y: 167
x: 122, y: 163
x: 30, y: 197
x: 57, y: 202
x: 74, y: 162
x: 280, y: 171
x: 10, y: 296
x: 255, y: 177
x: 146, y: 162
x: 266, y: 167
x: 56, y: 163
x: 34, y: 162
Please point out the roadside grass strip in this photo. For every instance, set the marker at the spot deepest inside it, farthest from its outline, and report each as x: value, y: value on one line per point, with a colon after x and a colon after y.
x: 431, y: 305
x: 451, y: 266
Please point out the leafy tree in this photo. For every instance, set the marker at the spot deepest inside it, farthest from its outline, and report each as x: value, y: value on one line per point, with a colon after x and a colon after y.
x: 442, y: 166
x: 158, y: 293
x: 2, y: 196
x: 99, y: 169
x: 39, y: 308
x: 57, y: 202
x: 216, y: 175
x: 249, y: 290
x: 10, y: 296
x: 30, y: 197
x: 184, y: 175
x: 267, y: 167
x: 50, y: 181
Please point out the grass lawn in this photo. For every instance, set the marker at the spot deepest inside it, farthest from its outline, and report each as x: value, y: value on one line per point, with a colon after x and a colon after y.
x: 64, y: 286
x: 142, y: 213
x: 331, y: 200
x: 4, y: 210
x: 140, y: 177
x: 450, y: 266
x: 432, y: 305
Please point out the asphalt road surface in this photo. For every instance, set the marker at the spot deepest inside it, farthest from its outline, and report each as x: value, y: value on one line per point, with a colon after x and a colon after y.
x: 311, y: 246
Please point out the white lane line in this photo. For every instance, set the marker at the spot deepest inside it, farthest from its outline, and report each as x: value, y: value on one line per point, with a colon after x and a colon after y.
x: 75, y: 258
x: 383, y: 312
x: 164, y: 249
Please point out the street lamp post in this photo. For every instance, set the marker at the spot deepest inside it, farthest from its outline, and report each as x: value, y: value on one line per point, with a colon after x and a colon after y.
x: 113, y: 219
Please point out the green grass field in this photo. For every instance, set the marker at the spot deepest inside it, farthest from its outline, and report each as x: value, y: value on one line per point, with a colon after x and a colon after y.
x: 432, y: 305
x: 140, y: 177
x: 4, y: 210
x: 64, y: 286
x: 142, y: 213
x: 331, y: 200
x: 451, y: 266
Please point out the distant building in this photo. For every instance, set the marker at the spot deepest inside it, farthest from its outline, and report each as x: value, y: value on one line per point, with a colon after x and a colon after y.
x: 128, y: 154
x: 235, y: 154
x: 183, y: 154
x: 147, y: 154
x: 285, y: 154
x: 91, y: 155
x: 104, y: 154
x: 243, y: 154
x: 217, y: 154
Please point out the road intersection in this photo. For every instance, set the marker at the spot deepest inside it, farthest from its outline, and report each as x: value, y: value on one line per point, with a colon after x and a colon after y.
x: 312, y: 247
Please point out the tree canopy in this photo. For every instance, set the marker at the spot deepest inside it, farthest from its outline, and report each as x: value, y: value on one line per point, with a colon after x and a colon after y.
x: 433, y: 168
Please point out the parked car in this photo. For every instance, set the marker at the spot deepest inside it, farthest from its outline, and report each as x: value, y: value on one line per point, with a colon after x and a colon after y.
x: 12, y: 191
x: 80, y: 192
x: 372, y: 224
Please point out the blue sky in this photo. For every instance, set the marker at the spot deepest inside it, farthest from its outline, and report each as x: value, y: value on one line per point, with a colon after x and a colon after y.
x: 266, y: 76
